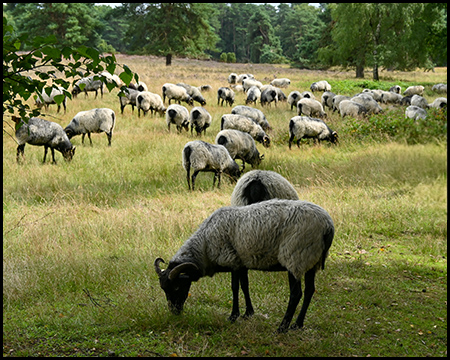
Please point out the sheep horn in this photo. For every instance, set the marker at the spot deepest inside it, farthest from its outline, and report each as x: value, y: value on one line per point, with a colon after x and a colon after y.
x: 182, y: 268
x: 157, y: 268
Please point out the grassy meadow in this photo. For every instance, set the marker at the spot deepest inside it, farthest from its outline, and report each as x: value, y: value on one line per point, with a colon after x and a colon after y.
x: 80, y: 238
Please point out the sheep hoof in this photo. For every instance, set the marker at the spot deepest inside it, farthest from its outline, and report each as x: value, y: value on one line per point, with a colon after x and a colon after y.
x: 233, y: 317
x: 248, y: 315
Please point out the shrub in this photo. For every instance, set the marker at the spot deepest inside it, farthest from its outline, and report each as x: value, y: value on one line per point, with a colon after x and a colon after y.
x: 223, y: 57
x: 231, y: 57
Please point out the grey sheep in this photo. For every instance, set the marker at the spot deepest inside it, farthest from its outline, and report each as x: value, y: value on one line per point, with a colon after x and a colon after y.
x: 177, y: 93
x: 416, y: 89
x: 194, y: 93
x: 242, y: 77
x: 253, y: 95
x: 177, y: 115
x: 45, y: 133
x: 369, y: 103
x: 327, y: 99
x: 293, y: 98
x: 225, y: 94
x: 388, y: 97
x: 322, y: 85
x: 415, y: 112
x: 203, y: 88
x: 45, y: 100
x: 337, y: 100
x: 417, y: 100
x: 202, y: 156
x: 351, y: 108
x: 200, y: 119
x: 310, y: 107
x: 240, y: 145
x: 147, y: 100
x: 376, y: 93
x: 290, y: 235
x: 307, y: 127
x: 269, y: 95
x: 281, y: 95
x: 89, y: 85
x: 440, y: 88
x: 127, y: 96
x: 406, y: 100
x: 281, y: 83
x: 245, y: 124
x: 232, y: 78
x: 308, y: 94
x: 438, y: 103
x: 92, y: 121
x: 249, y: 82
x: 139, y: 86
x: 255, y: 114
x: 396, y: 89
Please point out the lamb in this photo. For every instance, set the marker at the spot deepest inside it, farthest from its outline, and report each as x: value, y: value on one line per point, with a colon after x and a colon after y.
x: 200, y: 119
x: 438, y: 103
x: 88, y: 84
x: 351, y: 108
x: 369, y: 103
x: 194, y: 93
x: 225, y: 94
x: 388, y: 97
x: 240, y: 145
x: 310, y: 107
x: 268, y: 95
x: 417, y: 89
x: 202, y: 156
x: 147, y: 100
x: 238, y: 238
x: 415, y: 112
x: 178, y: 115
x: 253, y: 95
x: 92, y: 121
x: 245, y: 124
x: 440, y: 88
x: 320, y: 86
x: 307, y: 127
x: 177, y: 93
x: 127, y: 96
x: 249, y: 82
x: 396, y: 89
x: 255, y: 114
x: 417, y: 100
x: 43, y: 99
x: 45, y: 133
x: 337, y: 100
x: 232, y: 78
x: 327, y: 99
x: 281, y: 83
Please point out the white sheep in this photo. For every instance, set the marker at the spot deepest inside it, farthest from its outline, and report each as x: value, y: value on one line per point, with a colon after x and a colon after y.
x: 415, y: 112
x: 242, y: 77
x: 271, y: 235
x: 327, y: 99
x: 388, y: 97
x: 232, y: 78
x: 139, y: 86
x: 281, y: 83
x: 88, y: 84
x: 368, y: 102
x: 351, y: 108
x: 177, y: 115
x: 147, y: 100
x: 194, y: 93
x: 45, y: 100
x: 310, y: 107
x: 416, y: 89
x: 202, y: 156
x: 255, y: 114
x: 440, y: 88
x: 293, y: 98
x: 438, y: 103
x: 240, y: 145
x: 376, y: 93
x: 249, y: 82
x: 337, y: 100
x: 253, y: 95
x: 245, y: 124
x: 127, y: 96
x: 92, y: 121
x: 307, y: 127
x: 417, y: 100
x: 396, y: 89
x: 200, y: 119
x: 225, y: 94
x: 177, y: 93
x: 322, y: 85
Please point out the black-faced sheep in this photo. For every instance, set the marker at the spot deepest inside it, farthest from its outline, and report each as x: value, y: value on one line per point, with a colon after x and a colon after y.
x: 293, y: 98
x: 417, y: 100
x: 200, y: 119
x: 242, y: 77
x: 232, y: 78
x: 416, y: 89
x: 240, y: 238
x: 310, y: 107
x: 304, y: 127
x: 88, y: 84
x: 177, y: 93
x: 147, y: 100
x: 269, y: 95
x: 202, y: 156
x: 253, y: 95
x: 225, y: 94
x: 45, y: 100
x: 177, y: 115
x: 396, y: 89
x: 440, y: 88
x: 438, y: 103
x: 351, y: 108
x: 327, y: 99
x: 281, y: 83
x: 415, y: 112
x: 92, y: 121
x: 245, y: 124
x: 139, y: 86
x: 45, y: 133
x: 127, y: 96
x: 194, y: 93
x: 255, y: 114
x: 322, y: 85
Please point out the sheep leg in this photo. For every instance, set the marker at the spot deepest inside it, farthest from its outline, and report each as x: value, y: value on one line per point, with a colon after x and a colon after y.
x: 82, y: 138
x: 244, y: 286
x: 194, y: 175
x: 309, y: 291
x: 295, y: 287
x: 20, y: 150
x: 89, y: 136
x: 109, y: 135
x: 53, y: 156
x: 291, y: 139
x: 188, y: 177
x: 45, y: 153
x: 235, y: 276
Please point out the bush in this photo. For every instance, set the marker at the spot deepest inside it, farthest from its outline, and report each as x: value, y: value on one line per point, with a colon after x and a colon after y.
x: 231, y: 57
x: 223, y: 57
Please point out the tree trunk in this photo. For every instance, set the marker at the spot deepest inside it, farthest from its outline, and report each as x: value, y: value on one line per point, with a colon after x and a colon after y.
x: 359, y: 72
x: 375, y: 72
x: 168, y: 59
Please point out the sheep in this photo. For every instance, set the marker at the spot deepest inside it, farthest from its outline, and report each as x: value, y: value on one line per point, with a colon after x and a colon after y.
x: 369, y: 103
x: 225, y: 94
x: 245, y: 124
x: 417, y: 100
x: 127, y: 96
x: 240, y: 145
x: 45, y: 133
x: 237, y: 88
x: 200, y: 119
x: 178, y: 115
x: 147, y: 100
x: 242, y: 77
x: 322, y: 85
x: 194, y: 93
x: 293, y: 98
x: 337, y: 100
x: 438, y: 103
x: 249, y: 82
x: 307, y: 127
x: 376, y: 93
x: 232, y: 78
x: 417, y: 89
x: 253, y: 95
x: 203, y: 88
x: 43, y: 99
x: 89, y: 85
x: 202, y: 156
x: 274, y: 235
x: 351, y: 108
x: 415, y: 112
x: 406, y: 100
x: 268, y: 95
x: 92, y: 121
x: 327, y: 99
x: 310, y: 107
x: 440, y: 88
x: 255, y: 114
x: 388, y: 97
x: 177, y: 93
x: 112, y: 79
x: 281, y: 83
x: 139, y: 86
x: 281, y: 95
x: 396, y: 89
x: 308, y: 94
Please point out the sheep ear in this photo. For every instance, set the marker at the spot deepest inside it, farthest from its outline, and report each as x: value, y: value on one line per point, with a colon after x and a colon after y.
x: 187, y: 268
x: 157, y: 266
x: 261, y: 157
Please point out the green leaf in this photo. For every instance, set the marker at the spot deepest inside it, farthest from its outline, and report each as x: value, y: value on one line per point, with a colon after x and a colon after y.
x: 59, y: 99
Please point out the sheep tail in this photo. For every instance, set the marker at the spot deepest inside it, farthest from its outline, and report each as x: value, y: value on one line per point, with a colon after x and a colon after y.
x: 327, y: 239
x: 113, y: 116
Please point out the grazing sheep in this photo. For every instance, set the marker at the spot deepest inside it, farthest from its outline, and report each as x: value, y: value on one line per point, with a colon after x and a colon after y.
x: 245, y: 124
x: 89, y: 85
x: 139, y: 86
x: 237, y: 88
x: 369, y: 103
x: 203, y: 88
x: 127, y: 96
x: 415, y: 112
x: 92, y: 121
x: 417, y: 89
x: 438, y: 103
x: 242, y: 77
x: 45, y: 133
x: 177, y: 93
x: 268, y: 95
x: 178, y: 115
x: 307, y: 127
x: 376, y: 93
x: 337, y: 100
x: 249, y: 82
x: 112, y: 79
x: 293, y: 98
x: 308, y: 94
x: 147, y: 100
x: 255, y: 114
x: 281, y: 83
x: 440, y: 88
x: 202, y: 156
x: 406, y: 100
x: 232, y: 78
x: 417, y: 100
x: 45, y: 100
x: 272, y: 235
x: 240, y: 145
x: 351, y: 108
x: 200, y: 119
x: 310, y: 107
x: 225, y: 94
x: 396, y: 89
x: 194, y: 93
x: 327, y: 99
x: 253, y: 95
x: 388, y: 97
x: 281, y: 95
x: 320, y: 86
